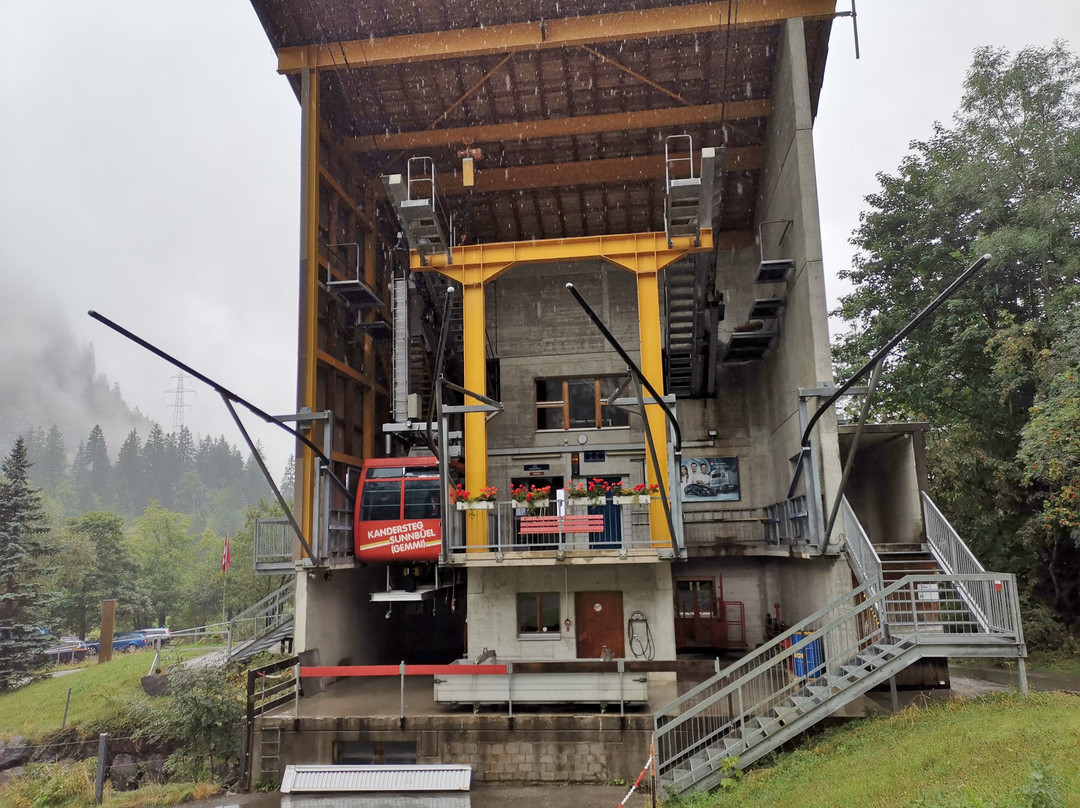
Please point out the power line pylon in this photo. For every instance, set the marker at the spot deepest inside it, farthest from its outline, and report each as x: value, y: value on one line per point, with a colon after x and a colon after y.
x: 180, y: 392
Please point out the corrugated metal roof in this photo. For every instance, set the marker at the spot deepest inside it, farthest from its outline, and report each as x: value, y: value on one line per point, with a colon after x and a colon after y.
x: 434, y: 800
x: 436, y: 777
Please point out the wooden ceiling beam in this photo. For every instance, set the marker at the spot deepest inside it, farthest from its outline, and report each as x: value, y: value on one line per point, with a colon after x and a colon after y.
x: 585, y: 172
x: 667, y: 117
x: 546, y: 34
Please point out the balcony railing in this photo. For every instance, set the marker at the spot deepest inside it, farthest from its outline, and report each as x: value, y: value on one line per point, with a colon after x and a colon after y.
x: 511, y: 528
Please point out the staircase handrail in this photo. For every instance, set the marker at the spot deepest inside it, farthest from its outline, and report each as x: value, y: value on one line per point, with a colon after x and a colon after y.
x: 274, y: 601
x: 799, y: 628
x: 950, y: 550
x: 952, y: 553
x: 864, y: 559
x: 821, y: 634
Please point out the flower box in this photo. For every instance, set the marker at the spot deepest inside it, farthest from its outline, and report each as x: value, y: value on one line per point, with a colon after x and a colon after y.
x: 535, y: 505
x: 482, y: 505
x: 631, y: 499
x: 590, y: 502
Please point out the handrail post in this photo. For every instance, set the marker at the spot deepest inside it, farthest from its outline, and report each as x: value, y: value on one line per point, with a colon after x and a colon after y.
x: 401, y: 676
x: 622, y: 703
x: 296, y: 691
x: 510, y: 690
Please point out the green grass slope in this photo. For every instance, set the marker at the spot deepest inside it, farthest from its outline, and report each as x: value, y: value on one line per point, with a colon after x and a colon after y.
x: 981, y: 752
x: 100, y: 695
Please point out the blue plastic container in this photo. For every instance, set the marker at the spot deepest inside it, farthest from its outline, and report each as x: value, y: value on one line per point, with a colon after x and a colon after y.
x: 806, y: 662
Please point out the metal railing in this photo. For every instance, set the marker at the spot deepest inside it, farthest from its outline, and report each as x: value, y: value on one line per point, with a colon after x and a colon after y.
x: 752, y: 706
x: 260, y: 619
x: 948, y: 548
x: 626, y: 527
x: 860, y: 551
x: 952, y: 554
x: 273, y: 541
x: 789, y: 523
x: 706, y: 528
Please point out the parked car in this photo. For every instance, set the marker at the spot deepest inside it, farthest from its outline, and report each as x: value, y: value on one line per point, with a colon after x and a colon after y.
x: 129, y: 641
x: 156, y: 636
x: 68, y: 649
x: 124, y: 641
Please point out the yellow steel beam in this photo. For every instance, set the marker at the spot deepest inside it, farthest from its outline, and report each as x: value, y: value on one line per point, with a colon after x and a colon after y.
x: 475, y: 377
x: 546, y: 34
x: 669, y: 117
x: 360, y: 378
x: 476, y: 264
x: 652, y: 366
x: 309, y: 286
x: 585, y: 172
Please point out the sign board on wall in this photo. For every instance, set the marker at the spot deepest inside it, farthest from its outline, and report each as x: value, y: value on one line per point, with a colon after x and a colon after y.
x: 709, y: 479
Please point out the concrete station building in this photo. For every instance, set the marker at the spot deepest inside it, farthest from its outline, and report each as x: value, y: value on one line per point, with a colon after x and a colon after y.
x: 658, y: 155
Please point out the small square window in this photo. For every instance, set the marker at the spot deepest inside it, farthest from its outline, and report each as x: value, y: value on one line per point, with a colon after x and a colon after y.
x: 538, y: 613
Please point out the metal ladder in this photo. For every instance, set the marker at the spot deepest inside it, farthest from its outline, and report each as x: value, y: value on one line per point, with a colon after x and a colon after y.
x: 270, y: 752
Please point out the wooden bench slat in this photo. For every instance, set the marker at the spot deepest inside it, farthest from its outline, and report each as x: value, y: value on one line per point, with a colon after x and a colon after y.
x: 574, y: 523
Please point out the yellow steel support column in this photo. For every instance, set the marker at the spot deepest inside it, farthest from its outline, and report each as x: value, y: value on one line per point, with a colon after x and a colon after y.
x: 309, y: 287
x: 644, y: 254
x: 652, y: 365
x: 472, y: 315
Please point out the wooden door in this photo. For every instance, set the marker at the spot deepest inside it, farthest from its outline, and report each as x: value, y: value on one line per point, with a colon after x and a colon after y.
x: 599, y: 617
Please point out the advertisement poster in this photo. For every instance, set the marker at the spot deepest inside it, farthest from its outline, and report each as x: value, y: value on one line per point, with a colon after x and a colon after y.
x: 709, y: 479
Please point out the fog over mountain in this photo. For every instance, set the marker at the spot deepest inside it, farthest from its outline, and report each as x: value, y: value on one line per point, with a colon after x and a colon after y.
x: 47, y: 377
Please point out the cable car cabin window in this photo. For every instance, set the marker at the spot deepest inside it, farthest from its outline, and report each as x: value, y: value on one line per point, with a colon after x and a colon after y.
x: 421, y: 471
x: 695, y: 597
x: 538, y: 613
x: 385, y: 472
x: 381, y: 501
x: 421, y: 499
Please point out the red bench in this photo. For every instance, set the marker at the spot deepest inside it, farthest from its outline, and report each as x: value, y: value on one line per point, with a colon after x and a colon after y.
x: 571, y: 523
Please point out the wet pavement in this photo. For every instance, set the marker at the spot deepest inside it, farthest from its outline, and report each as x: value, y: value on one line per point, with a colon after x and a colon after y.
x: 481, y: 796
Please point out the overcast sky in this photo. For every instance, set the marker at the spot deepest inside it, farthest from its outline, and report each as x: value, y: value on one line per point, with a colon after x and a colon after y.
x: 149, y: 169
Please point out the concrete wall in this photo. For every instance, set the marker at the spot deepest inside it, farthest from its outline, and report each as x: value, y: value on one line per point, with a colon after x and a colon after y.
x: 492, y: 605
x: 808, y: 585
x: 884, y: 491
x: 788, y: 191
x: 526, y: 749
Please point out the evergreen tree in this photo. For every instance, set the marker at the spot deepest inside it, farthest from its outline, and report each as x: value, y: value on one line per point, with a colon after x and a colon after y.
x: 288, y: 480
x: 99, y: 467
x: 130, y: 475
x: 21, y: 516
x: 155, y: 456
x: 54, y: 460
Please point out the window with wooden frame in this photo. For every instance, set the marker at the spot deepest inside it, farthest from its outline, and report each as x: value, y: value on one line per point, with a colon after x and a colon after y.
x: 695, y: 597
x: 578, y: 404
x: 538, y: 613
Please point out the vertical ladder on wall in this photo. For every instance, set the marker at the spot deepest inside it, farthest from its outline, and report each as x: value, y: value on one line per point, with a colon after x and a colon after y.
x: 400, y: 303
x: 270, y: 754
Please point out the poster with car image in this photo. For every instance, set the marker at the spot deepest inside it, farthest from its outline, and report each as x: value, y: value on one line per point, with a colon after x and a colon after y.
x: 709, y: 479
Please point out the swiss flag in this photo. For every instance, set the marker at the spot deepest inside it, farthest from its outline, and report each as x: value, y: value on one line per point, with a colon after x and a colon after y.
x: 225, y: 559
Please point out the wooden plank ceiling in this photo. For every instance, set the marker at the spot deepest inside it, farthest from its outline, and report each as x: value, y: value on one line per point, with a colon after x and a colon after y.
x: 572, y: 131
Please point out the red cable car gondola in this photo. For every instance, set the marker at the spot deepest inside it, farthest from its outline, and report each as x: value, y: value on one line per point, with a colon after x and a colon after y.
x: 398, y: 514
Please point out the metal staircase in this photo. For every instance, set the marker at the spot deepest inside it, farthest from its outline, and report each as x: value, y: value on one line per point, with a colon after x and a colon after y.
x: 262, y: 625
x: 692, y: 311
x: 832, y: 657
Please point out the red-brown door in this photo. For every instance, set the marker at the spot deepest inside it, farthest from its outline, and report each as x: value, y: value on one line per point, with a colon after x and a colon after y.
x: 599, y: 623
